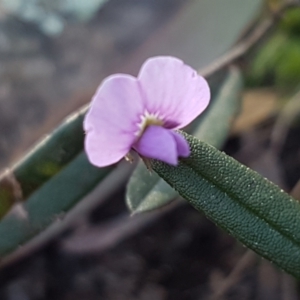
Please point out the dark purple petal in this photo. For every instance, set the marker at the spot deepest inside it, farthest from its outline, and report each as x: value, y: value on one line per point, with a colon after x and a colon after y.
x: 183, y: 148
x: 158, y: 143
x: 173, y: 90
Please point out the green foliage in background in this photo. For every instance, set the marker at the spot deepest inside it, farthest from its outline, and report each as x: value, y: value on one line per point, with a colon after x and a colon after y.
x: 278, y: 61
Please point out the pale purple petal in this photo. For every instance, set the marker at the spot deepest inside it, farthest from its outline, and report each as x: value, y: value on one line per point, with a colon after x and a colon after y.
x: 112, y: 121
x: 173, y: 90
x: 183, y: 148
x: 158, y: 143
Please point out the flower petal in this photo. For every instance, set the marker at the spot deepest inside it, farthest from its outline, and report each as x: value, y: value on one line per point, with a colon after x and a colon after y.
x: 112, y: 120
x: 173, y: 90
x: 183, y: 148
x: 158, y: 143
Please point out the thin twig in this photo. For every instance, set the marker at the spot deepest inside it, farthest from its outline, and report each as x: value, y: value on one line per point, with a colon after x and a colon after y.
x: 246, y: 261
x: 245, y: 45
x: 86, y: 239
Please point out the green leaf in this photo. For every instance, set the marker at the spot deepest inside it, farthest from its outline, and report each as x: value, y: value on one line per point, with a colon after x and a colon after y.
x: 249, y: 207
x: 215, y: 126
x: 50, y: 202
x: 147, y: 191
x: 44, y: 161
x: 51, y: 154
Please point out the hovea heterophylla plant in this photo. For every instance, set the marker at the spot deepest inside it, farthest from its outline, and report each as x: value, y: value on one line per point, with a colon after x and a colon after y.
x: 142, y: 114
x: 239, y: 200
x: 56, y: 174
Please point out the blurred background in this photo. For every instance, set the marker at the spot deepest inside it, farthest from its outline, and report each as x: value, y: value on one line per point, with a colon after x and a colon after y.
x: 54, y: 54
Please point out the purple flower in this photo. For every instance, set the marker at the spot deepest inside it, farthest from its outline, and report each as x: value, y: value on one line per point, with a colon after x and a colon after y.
x: 141, y: 113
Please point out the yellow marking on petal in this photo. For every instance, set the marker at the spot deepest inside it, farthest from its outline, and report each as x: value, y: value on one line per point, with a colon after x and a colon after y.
x: 148, y: 119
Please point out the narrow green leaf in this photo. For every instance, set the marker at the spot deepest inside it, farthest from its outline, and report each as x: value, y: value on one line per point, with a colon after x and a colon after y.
x: 215, y: 126
x: 51, y: 154
x: 50, y: 202
x: 44, y: 161
x: 249, y: 207
x: 147, y: 191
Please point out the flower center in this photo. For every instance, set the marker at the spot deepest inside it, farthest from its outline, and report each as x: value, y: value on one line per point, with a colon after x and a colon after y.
x: 148, y: 119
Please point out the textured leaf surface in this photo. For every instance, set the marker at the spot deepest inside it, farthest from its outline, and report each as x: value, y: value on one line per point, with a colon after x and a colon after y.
x: 147, y: 191
x: 49, y: 202
x: 249, y: 207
